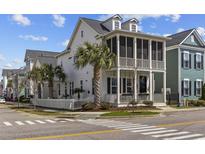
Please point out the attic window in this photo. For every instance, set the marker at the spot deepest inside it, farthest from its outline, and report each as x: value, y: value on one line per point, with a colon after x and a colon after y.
x: 133, y: 28
x: 117, y: 24
x: 82, y: 33
x: 192, y: 39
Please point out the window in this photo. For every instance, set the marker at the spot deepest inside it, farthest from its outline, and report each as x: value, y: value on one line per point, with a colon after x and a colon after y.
x: 93, y: 87
x: 117, y: 24
x: 130, y: 47
x: 198, y: 61
x: 160, y: 51
x: 122, y: 46
x: 133, y: 28
x: 186, y: 60
x: 66, y: 91
x: 192, y: 39
x: 61, y: 64
x: 129, y: 86
x: 145, y: 49
x: 186, y: 87
x: 111, y: 85
x: 154, y: 50
x: 109, y: 44
x: 139, y: 48
x: 114, y: 45
x: 71, y: 88
x: 82, y: 33
x: 59, y: 89
x: 198, y: 87
x: 81, y: 85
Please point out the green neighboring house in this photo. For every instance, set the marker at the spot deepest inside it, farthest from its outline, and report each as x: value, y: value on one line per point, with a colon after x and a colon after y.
x: 185, y: 65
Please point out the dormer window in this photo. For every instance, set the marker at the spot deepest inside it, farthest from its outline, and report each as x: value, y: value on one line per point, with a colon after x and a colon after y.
x: 117, y: 24
x: 133, y: 28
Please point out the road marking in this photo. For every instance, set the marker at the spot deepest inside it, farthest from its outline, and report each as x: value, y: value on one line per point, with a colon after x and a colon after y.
x: 170, y: 134
x: 184, y: 137
x: 160, y: 132
x: 39, y: 121
x: 181, y: 123
x: 7, y: 123
x: 147, y: 130
x: 51, y: 121
x: 19, y: 123
x: 30, y: 122
x: 70, y: 135
x: 136, y: 128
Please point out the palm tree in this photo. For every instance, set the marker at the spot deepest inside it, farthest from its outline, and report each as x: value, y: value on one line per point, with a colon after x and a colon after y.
x: 60, y: 73
x: 48, y: 73
x: 100, y: 57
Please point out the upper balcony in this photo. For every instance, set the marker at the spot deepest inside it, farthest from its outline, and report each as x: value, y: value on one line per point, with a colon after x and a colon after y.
x: 138, y: 53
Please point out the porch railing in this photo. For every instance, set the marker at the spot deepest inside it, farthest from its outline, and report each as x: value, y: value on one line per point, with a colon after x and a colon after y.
x: 159, y: 65
x: 127, y: 62
x: 143, y: 63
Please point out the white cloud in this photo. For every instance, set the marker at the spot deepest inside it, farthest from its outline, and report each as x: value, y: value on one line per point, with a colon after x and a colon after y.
x: 201, y: 31
x: 33, y: 38
x: 8, y: 65
x: 2, y: 58
x: 21, y: 20
x: 65, y: 43
x: 153, y: 25
x: 180, y: 30
x: 170, y: 17
x: 16, y: 61
x: 58, y: 20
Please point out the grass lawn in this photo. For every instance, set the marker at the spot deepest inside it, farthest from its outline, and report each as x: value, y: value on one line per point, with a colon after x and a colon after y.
x: 125, y: 113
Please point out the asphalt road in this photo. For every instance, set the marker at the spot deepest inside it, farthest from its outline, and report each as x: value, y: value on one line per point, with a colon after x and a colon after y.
x: 179, y: 125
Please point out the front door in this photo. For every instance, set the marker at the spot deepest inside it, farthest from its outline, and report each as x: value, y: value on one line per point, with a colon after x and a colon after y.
x: 142, y: 84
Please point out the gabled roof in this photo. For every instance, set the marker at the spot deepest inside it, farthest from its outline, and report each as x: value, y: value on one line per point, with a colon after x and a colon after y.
x: 10, y: 72
x: 179, y: 37
x: 96, y: 25
x: 47, y: 60
x: 38, y: 53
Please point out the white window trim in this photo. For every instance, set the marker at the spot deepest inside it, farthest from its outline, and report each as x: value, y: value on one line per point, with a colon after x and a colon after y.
x: 113, y: 24
x: 132, y: 29
x: 187, y: 80
x: 200, y: 87
x: 199, y: 54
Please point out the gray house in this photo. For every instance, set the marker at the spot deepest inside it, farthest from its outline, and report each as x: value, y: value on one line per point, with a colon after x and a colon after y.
x: 185, y: 65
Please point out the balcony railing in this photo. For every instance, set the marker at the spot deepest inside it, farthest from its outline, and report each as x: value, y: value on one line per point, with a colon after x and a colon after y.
x: 159, y: 65
x: 143, y: 63
x: 127, y: 62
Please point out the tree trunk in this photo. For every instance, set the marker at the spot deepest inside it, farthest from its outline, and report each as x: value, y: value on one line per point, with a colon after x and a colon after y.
x: 97, y: 86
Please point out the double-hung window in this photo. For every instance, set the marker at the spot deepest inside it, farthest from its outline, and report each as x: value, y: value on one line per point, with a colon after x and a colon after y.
x: 117, y: 24
x: 133, y: 28
x: 186, y: 87
x: 186, y: 59
x: 198, y: 87
x: 198, y: 61
x: 111, y: 85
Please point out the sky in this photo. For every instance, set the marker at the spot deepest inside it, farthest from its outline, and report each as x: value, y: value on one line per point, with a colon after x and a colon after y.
x: 53, y: 32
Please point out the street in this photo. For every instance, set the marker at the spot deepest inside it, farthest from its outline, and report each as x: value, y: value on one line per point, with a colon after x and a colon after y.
x: 168, y: 126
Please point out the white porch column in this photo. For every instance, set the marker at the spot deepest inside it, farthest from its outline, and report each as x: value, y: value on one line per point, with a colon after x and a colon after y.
x: 150, y: 54
x: 135, y: 51
x: 118, y: 86
x: 118, y: 69
x: 151, y: 85
x: 164, y: 86
x: 135, y: 85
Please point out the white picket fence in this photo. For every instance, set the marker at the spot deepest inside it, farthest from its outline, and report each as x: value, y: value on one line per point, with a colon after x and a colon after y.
x: 68, y: 104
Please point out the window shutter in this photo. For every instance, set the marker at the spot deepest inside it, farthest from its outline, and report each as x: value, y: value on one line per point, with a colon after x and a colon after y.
x: 189, y: 60
x: 194, y: 88
x: 108, y: 85
x: 182, y: 59
x: 189, y: 88
x: 202, y: 61
x: 195, y: 61
x: 182, y: 88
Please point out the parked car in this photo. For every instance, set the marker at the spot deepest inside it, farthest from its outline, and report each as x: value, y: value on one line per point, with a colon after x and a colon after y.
x: 2, y: 100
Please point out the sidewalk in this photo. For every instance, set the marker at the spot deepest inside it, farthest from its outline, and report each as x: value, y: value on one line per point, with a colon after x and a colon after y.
x: 172, y: 109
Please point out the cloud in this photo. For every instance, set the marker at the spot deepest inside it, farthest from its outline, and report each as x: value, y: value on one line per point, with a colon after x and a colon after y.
x: 153, y: 25
x: 170, y: 17
x: 34, y: 38
x: 65, y: 43
x: 180, y: 30
x: 21, y: 20
x: 16, y: 61
x: 165, y: 35
x: 8, y: 65
x: 201, y: 31
x: 2, y: 58
x: 58, y: 20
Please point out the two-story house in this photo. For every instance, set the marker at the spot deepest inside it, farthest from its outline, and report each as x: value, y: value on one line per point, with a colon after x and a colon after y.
x: 140, y: 62
x: 185, y: 65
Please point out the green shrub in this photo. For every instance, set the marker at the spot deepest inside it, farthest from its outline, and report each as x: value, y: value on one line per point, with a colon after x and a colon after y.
x: 88, y: 106
x: 148, y: 103
x: 200, y: 103
x: 203, y: 92
x: 105, y: 106
x: 132, y: 103
x: 192, y: 103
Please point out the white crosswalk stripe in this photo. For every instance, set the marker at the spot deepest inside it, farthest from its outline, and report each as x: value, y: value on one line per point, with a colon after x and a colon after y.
x: 131, y: 127
x: 184, y: 137
x: 30, y: 122
x: 40, y: 121
x: 124, y: 125
x: 171, y: 134
x: 50, y: 121
x: 147, y: 130
x: 160, y: 132
x: 137, y: 128
x: 7, y: 123
x: 19, y: 123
